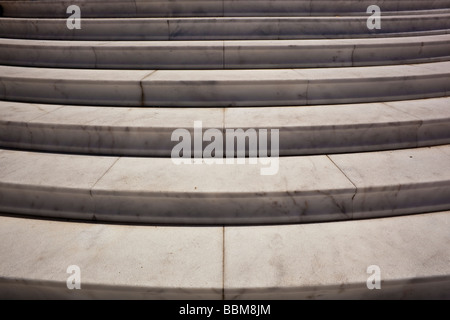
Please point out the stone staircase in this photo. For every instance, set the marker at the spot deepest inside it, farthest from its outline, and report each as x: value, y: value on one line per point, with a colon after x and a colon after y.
x: 87, y: 118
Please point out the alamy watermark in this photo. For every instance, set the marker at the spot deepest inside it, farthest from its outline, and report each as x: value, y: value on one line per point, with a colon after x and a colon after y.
x: 374, y: 281
x: 229, y: 146
x: 374, y: 21
x: 73, y: 21
x: 74, y: 280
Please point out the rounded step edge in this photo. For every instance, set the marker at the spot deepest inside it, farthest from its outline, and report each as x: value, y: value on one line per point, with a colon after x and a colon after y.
x: 225, y: 54
x: 297, y: 130
x: 184, y: 8
x: 410, y: 263
x: 225, y: 88
x: 222, y: 28
x: 272, y: 190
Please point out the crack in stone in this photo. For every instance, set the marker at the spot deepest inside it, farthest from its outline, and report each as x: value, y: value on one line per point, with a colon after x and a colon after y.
x: 223, y: 55
x: 352, y: 57
x: 135, y: 8
x: 168, y: 30
x: 421, y: 121
x: 107, y: 170
x: 335, y: 202
x: 307, y: 92
x: 2, y: 84
x: 95, y: 57
x: 44, y: 114
x: 142, y: 87
x: 61, y: 91
x: 354, y: 193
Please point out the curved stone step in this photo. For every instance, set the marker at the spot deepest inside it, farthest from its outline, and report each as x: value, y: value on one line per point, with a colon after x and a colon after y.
x: 331, y: 260
x: 146, y: 262
x: 224, y: 54
x: 222, y: 88
x: 148, y: 131
x: 273, y: 190
x: 222, y: 28
x: 158, y: 8
x: 116, y: 261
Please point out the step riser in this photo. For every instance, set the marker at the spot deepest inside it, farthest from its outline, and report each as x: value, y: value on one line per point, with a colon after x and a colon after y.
x: 423, y: 289
x: 218, y: 28
x: 11, y: 289
x: 148, y: 208
x: 156, y: 142
x: 222, y: 55
x: 148, y: 131
x: 208, y: 8
x: 217, y: 93
x: 112, y: 141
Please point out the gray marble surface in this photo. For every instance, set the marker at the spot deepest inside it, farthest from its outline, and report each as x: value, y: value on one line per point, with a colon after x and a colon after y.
x: 310, y: 261
x: 323, y: 261
x: 156, y: 8
x: 225, y: 88
x: 122, y: 243
x: 116, y: 262
x: 155, y: 190
x: 148, y: 131
x: 438, y: 110
x: 224, y: 54
x: 388, y: 183
x: 223, y: 28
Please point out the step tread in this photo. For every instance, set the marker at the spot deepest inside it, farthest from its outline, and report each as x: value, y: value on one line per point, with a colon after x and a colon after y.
x: 223, y: 28
x: 89, y: 75
x: 148, y: 131
x: 309, y: 188
x: 308, y: 43
x: 118, y: 261
x: 224, y: 54
x: 211, y: 8
x: 316, y: 261
x: 224, y: 88
x: 114, y: 260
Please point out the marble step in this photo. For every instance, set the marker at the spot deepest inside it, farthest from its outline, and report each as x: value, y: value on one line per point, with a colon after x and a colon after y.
x: 272, y: 262
x: 215, y: 8
x: 148, y: 131
x: 266, y: 191
x: 224, y: 54
x: 223, y: 28
x: 225, y: 88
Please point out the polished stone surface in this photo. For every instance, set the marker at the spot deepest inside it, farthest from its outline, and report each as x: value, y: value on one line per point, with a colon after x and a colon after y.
x: 224, y: 28
x: 224, y: 54
x: 197, y: 88
x: 151, y: 228
x: 304, y: 189
x: 116, y: 261
x: 156, y: 190
x: 99, y: 130
x: 330, y: 260
x: 331, y: 128
x: 55, y: 186
x: 225, y: 88
x: 435, y: 117
x: 398, y: 182
x: 157, y: 8
x: 148, y: 131
x: 260, y: 262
